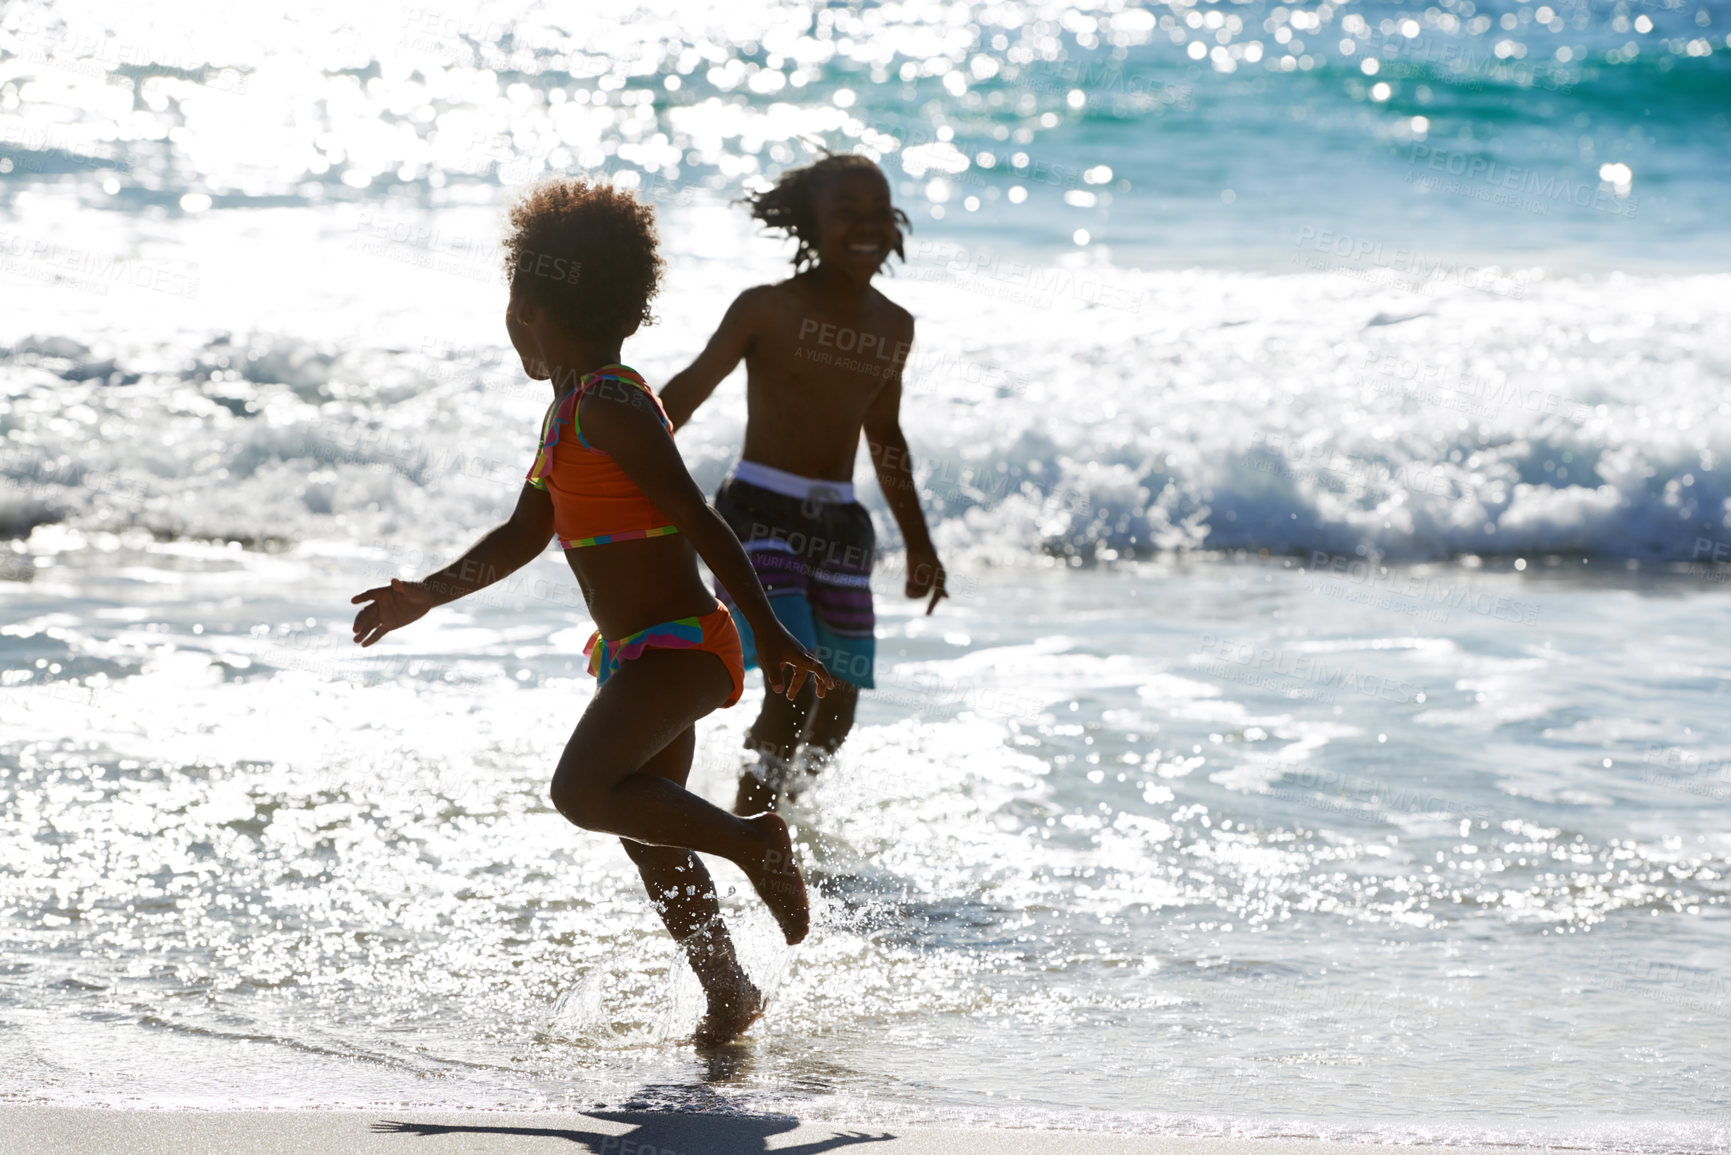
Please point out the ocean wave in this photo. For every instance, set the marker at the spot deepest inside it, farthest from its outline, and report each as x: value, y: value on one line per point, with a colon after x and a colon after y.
x: 1278, y: 413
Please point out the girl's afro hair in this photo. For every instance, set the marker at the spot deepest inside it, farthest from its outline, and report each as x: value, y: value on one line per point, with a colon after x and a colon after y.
x: 585, y: 251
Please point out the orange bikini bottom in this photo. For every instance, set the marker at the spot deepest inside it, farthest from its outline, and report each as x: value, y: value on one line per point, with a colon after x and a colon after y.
x: 713, y: 631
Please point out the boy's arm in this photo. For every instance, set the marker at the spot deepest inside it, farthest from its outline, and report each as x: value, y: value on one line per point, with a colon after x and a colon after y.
x: 895, y: 470
x: 624, y: 423
x: 692, y: 386
x: 504, y: 550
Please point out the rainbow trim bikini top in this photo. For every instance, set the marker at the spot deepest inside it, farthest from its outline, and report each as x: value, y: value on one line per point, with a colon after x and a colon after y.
x: 594, y: 502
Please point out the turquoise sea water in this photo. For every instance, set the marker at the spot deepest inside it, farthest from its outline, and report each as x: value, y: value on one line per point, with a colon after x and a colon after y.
x: 1327, y: 733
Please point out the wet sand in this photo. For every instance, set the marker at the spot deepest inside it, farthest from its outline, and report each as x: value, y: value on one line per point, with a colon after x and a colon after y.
x: 92, y: 1131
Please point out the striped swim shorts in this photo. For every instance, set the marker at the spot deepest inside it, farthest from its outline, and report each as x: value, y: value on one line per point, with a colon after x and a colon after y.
x: 814, y: 558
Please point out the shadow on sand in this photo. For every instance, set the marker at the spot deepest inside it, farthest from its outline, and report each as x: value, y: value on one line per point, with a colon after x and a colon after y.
x: 656, y: 1133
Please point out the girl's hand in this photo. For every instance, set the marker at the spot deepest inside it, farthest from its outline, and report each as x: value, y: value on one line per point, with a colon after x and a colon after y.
x: 782, y: 651
x: 392, y: 607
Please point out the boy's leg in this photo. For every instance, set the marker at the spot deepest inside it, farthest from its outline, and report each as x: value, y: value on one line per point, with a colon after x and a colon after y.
x: 636, y: 714
x: 773, y: 739
x: 843, y: 630
x: 765, y: 522
x: 819, y: 725
x: 829, y: 725
x: 684, y: 895
x: 830, y: 719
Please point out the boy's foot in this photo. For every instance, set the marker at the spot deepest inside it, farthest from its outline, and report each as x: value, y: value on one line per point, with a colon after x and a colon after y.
x: 775, y: 875
x: 728, y: 1016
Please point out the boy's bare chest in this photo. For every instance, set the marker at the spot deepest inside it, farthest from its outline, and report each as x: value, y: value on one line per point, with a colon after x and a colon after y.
x: 826, y: 387
x: 850, y: 355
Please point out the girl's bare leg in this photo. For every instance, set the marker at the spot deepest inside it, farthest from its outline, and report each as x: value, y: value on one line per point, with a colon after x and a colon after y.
x: 641, y: 710
x: 684, y: 895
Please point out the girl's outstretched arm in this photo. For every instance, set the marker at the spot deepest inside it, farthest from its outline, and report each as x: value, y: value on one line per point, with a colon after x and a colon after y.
x: 504, y: 550
x: 624, y: 423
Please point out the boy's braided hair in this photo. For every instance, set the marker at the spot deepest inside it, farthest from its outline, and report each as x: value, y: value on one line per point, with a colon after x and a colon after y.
x: 585, y: 252
x: 791, y: 203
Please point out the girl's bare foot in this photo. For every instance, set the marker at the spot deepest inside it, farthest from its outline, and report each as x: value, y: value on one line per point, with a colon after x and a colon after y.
x: 729, y: 1015
x: 775, y: 875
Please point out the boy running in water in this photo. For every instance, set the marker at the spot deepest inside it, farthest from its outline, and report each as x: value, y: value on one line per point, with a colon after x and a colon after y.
x: 823, y: 353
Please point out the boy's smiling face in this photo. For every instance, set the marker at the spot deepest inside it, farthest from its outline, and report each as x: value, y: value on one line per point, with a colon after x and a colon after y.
x: 856, y: 224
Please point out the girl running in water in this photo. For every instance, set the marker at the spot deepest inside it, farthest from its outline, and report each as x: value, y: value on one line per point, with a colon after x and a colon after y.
x: 609, y: 483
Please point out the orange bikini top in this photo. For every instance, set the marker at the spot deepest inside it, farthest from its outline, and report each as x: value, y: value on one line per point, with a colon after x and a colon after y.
x: 594, y: 503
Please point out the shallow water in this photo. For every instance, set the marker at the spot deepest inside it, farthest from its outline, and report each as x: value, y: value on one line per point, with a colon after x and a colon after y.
x: 1200, y: 847
x: 1326, y: 735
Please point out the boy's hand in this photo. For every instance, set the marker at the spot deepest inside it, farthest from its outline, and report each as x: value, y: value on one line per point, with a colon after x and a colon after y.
x: 782, y: 651
x: 392, y: 607
x: 926, y: 575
